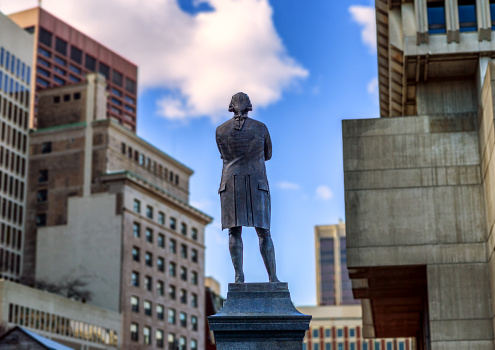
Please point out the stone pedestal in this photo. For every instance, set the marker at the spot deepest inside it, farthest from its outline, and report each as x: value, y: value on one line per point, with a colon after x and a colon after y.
x: 259, y: 316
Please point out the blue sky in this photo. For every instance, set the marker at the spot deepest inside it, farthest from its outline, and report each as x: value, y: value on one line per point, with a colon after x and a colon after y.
x: 306, y: 66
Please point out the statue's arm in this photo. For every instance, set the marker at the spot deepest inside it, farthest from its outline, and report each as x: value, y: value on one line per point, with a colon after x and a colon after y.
x: 218, y: 143
x: 268, y: 145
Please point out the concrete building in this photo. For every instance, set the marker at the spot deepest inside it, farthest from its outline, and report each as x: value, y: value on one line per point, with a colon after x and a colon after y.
x: 113, y: 211
x: 63, y: 55
x: 340, y: 328
x: 333, y: 286
x: 68, y: 322
x: 16, y: 51
x: 419, y: 188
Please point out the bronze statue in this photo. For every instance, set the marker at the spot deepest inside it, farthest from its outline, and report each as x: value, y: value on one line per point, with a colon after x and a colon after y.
x: 244, y: 146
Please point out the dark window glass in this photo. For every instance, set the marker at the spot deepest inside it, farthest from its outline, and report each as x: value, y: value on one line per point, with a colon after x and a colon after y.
x: 492, y: 14
x: 135, y: 279
x: 30, y: 30
x: 148, y: 259
x: 59, y: 71
x: 76, y: 54
x: 173, y: 223
x: 61, y: 46
x: 77, y: 96
x: 45, y: 37
x: 194, y: 234
x: 74, y: 79
x: 42, y: 82
x: 44, y: 52
x: 43, y: 175
x: 467, y: 16
x: 135, y: 304
x: 134, y: 332
x: 116, y: 92
x: 171, y: 292
x: 117, y: 78
x: 42, y: 196
x: 135, y: 254
x: 60, y: 61
x: 46, y: 147
x: 44, y: 63
x: 104, y: 69
x: 194, y: 255
x: 161, y: 241
x: 44, y: 72
x: 66, y: 98
x: 58, y: 80
x: 74, y: 69
x: 183, y: 229
x: 90, y: 63
x: 172, y: 246
x: 436, y: 17
x: 130, y: 85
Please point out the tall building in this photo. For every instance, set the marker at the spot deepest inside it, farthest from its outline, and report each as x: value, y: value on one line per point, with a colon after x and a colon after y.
x: 113, y: 210
x: 63, y: 55
x: 333, y: 286
x: 339, y: 327
x: 16, y: 52
x: 213, y: 304
x: 419, y: 187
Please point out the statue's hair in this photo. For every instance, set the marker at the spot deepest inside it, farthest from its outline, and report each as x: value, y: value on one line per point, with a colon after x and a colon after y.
x: 238, y: 101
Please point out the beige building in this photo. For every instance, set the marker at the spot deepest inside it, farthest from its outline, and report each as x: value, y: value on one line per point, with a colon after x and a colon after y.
x: 16, y: 53
x: 68, y: 322
x: 112, y: 210
x: 419, y: 188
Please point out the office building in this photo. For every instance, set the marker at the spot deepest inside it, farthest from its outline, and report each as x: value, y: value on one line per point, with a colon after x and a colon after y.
x: 63, y: 55
x: 340, y: 328
x: 71, y: 323
x: 213, y: 304
x: 419, y: 187
x: 113, y: 210
x: 16, y: 52
x: 333, y: 286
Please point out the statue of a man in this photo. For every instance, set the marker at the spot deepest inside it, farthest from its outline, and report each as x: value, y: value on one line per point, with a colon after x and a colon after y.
x: 244, y: 146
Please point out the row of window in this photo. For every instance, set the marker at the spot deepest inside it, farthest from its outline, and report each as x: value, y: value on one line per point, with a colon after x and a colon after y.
x: 66, y: 97
x: 90, y: 62
x: 160, y: 261
x: 315, y: 333
x: 13, y: 64
x: 48, y: 322
x: 14, y: 89
x: 160, y: 313
x: 149, y: 164
x: 173, y: 343
x: 12, y: 161
x: 10, y: 262
x: 148, y: 284
x: 12, y: 211
x: 12, y: 112
x: 11, y: 186
x: 10, y: 236
x: 11, y: 136
x: 161, y: 220
x: 365, y: 345
x: 467, y: 16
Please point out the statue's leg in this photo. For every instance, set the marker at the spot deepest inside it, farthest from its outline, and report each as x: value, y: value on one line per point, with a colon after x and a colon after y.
x: 235, y: 247
x: 268, y: 253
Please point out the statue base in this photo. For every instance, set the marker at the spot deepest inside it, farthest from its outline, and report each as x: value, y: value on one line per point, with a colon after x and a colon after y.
x: 259, y: 316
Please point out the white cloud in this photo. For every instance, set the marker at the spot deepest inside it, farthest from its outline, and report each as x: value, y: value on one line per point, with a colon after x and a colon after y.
x: 287, y: 185
x: 323, y: 192
x: 373, y: 87
x: 204, y: 59
x: 365, y: 17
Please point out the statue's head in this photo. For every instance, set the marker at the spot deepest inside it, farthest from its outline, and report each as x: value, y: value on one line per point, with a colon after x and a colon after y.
x: 240, y: 104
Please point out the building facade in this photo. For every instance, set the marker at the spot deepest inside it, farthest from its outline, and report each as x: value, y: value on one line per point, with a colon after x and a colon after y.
x: 112, y: 210
x: 340, y: 328
x: 63, y: 55
x: 419, y: 187
x: 16, y: 51
x: 213, y: 304
x: 333, y: 285
x: 72, y: 323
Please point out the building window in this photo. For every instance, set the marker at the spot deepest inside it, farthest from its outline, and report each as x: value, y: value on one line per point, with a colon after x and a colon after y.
x: 315, y: 333
x: 352, y: 346
x: 149, y: 212
x: 117, y: 78
x: 467, y: 16
x: 137, y: 206
x: 365, y: 346
x: 194, y: 300
x: 183, y: 273
x: 194, y: 344
x: 171, y: 341
x: 148, y: 282
x: 130, y: 85
x: 183, y: 229
x: 76, y: 56
x: 45, y: 37
x: 171, y: 316
x: 161, y: 240
x: 135, y: 279
x: 147, y: 335
x: 161, y: 218
x: 183, y: 296
x: 41, y: 220
x: 43, y: 175
x: 61, y: 46
x: 194, y: 255
x: 160, y: 312
x: 340, y: 346
x: 352, y: 332
x: 104, y: 69
x: 182, y: 343
x: 171, y: 292
x: 173, y: 223
x: 402, y: 346
x: 172, y: 269
x: 183, y: 251
x: 134, y: 304
x: 377, y: 345
x: 148, y: 259
x: 160, y: 263
x: 136, y: 230
x: 46, y: 147
x: 160, y: 287
x: 194, y: 323
x: 134, y: 332
x: 42, y: 196
x: 149, y: 235
x: 328, y: 346
x: 492, y: 13
x: 172, y: 246
x: 194, y: 278
x: 135, y: 254
x: 147, y: 307
x: 183, y: 319
x: 159, y: 338
x: 436, y: 17
x: 194, y: 234
x: 316, y: 346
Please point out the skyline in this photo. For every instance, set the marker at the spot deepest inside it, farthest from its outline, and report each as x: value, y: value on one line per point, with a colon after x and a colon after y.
x: 179, y: 113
